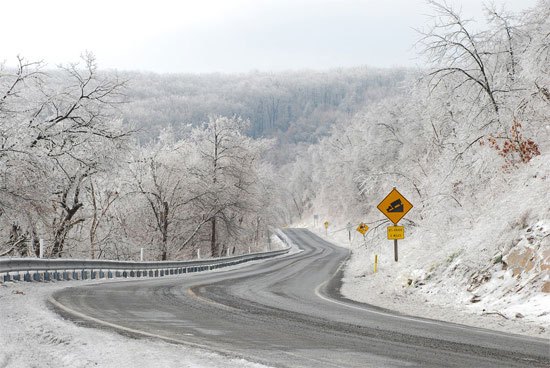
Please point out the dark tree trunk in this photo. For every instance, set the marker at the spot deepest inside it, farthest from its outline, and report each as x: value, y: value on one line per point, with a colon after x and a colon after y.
x: 213, y: 242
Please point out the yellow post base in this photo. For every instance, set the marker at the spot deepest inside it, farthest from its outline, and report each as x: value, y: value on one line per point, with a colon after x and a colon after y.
x: 375, y: 263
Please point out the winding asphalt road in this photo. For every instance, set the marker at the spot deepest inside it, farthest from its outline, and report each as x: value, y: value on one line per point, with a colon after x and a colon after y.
x: 287, y: 312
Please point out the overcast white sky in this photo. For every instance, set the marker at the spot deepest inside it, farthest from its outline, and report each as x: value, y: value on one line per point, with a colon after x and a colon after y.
x: 221, y: 35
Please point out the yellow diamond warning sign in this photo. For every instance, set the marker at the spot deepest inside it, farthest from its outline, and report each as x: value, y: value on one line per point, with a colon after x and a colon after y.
x: 362, y: 228
x: 395, y: 206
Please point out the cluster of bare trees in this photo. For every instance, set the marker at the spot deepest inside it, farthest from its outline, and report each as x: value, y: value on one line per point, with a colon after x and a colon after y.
x: 57, y: 135
x: 478, y: 112
x: 295, y: 107
x: 72, y: 175
x: 206, y: 189
x: 495, y: 78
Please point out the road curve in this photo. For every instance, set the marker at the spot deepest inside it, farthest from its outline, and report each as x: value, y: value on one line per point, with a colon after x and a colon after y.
x: 287, y: 312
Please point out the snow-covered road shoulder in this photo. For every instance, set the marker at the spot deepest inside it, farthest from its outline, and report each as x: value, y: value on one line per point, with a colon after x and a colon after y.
x: 33, y: 335
x: 399, y: 287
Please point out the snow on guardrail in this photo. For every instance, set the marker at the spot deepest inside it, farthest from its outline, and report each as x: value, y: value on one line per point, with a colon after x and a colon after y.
x: 36, y: 269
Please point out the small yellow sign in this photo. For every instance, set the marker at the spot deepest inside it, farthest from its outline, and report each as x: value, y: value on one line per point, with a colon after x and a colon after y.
x: 396, y: 232
x: 362, y: 228
x: 326, y: 224
x: 395, y: 206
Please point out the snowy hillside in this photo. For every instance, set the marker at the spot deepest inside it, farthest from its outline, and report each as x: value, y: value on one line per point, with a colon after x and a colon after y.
x: 493, y: 263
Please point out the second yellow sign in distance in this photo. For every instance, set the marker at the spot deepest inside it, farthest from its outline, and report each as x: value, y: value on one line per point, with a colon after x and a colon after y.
x: 362, y: 228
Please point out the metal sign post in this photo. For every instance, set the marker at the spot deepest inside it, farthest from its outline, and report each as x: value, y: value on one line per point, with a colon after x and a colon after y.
x: 349, y: 226
x: 326, y: 227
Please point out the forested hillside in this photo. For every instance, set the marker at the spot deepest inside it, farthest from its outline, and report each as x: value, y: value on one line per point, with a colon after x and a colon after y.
x: 294, y: 107
x: 101, y: 164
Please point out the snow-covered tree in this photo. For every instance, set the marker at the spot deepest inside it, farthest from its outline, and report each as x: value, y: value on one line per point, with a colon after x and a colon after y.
x: 58, y: 130
x: 227, y: 168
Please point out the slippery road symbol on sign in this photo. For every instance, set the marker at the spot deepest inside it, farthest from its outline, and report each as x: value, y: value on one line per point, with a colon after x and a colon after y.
x: 395, y: 206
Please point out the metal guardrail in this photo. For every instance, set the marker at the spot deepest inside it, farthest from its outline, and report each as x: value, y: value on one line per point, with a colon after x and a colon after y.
x: 35, y: 269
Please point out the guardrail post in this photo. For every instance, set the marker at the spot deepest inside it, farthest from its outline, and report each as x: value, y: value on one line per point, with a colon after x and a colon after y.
x: 41, y: 250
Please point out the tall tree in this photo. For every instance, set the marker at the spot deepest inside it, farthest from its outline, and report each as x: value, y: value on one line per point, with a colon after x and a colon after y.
x: 227, y: 169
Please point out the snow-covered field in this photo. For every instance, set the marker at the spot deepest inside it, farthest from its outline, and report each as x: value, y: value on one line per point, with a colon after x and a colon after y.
x: 488, y: 267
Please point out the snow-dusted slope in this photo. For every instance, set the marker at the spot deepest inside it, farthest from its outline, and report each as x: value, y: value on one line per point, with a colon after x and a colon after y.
x: 489, y: 267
